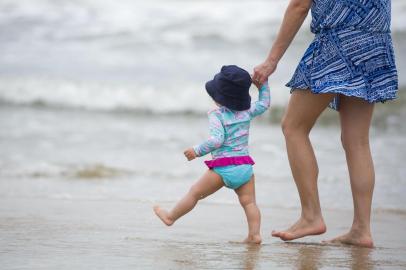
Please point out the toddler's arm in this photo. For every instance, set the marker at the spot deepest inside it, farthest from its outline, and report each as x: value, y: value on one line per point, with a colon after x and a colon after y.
x: 216, y: 138
x: 264, y: 100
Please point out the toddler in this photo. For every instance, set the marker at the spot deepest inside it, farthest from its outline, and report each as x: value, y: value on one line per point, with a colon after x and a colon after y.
x: 231, y: 165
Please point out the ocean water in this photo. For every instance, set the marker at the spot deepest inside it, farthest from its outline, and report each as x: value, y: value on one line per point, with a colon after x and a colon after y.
x: 149, y: 56
x: 74, y: 155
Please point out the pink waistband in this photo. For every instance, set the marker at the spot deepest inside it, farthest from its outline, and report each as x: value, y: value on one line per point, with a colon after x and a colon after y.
x: 226, y: 161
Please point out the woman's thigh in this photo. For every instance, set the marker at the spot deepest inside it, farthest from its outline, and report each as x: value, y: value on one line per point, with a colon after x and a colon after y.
x: 303, y: 109
x: 355, y: 118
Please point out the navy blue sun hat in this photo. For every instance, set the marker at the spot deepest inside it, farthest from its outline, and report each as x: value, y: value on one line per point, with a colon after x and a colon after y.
x: 230, y: 88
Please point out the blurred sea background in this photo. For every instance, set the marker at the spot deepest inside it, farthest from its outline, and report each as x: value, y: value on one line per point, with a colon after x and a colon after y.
x: 98, y: 100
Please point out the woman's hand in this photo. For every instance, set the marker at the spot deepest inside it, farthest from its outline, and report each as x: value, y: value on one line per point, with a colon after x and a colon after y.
x: 263, y: 71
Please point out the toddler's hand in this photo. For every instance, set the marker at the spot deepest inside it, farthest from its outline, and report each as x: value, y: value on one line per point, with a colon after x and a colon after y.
x: 257, y: 84
x: 190, y: 154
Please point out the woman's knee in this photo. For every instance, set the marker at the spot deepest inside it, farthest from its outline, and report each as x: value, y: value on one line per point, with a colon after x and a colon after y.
x: 354, y: 140
x: 291, y: 127
x: 302, y: 112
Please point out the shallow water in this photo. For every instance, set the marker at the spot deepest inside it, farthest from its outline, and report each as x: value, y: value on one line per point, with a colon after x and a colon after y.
x: 68, y: 154
x: 77, y: 187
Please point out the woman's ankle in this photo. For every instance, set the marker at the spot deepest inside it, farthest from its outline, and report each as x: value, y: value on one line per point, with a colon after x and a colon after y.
x: 361, y: 229
x: 312, y: 216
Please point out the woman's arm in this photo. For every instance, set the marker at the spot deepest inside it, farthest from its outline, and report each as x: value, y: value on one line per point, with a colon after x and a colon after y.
x: 295, y: 14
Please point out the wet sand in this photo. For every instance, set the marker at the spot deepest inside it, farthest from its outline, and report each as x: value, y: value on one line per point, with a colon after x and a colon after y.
x: 40, y: 233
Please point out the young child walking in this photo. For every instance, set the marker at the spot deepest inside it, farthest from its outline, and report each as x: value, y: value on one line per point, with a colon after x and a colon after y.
x: 231, y: 165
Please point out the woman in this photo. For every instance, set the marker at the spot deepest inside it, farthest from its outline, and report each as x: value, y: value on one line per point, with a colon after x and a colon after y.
x: 349, y: 66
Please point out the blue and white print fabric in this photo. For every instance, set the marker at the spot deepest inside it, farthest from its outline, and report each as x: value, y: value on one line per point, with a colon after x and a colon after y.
x: 352, y: 52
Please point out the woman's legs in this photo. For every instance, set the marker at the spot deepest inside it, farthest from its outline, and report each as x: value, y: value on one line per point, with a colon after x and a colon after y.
x: 302, y: 112
x: 246, y: 196
x: 355, y: 117
x: 209, y: 183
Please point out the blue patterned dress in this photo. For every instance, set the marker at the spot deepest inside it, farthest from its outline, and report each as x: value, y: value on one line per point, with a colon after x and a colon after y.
x: 352, y: 52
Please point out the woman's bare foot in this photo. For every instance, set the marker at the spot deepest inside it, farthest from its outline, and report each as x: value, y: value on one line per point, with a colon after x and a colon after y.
x: 253, y: 239
x: 302, y: 228
x: 353, y: 238
x: 163, y: 215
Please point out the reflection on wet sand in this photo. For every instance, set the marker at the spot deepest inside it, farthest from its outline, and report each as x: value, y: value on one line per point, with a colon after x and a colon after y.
x: 321, y: 256
x: 305, y: 255
x: 190, y: 255
x: 360, y: 258
x: 251, y: 256
x: 308, y: 257
x: 317, y: 256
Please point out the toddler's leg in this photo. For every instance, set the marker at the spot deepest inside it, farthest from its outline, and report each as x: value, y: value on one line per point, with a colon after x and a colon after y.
x: 246, y: 195
x: 209, y: 183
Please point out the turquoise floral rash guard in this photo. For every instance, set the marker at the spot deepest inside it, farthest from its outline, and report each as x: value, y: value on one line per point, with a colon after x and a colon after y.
x: 229, y: 130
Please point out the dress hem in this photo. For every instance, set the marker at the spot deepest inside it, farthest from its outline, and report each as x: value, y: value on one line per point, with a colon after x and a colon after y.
x: 390, y: 96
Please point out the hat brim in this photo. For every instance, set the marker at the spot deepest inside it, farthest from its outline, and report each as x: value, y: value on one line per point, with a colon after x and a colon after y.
x: 213, y: 91
x: 229, y: 102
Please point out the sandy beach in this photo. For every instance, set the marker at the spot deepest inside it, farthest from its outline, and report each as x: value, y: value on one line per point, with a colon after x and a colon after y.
x: 118, y: 234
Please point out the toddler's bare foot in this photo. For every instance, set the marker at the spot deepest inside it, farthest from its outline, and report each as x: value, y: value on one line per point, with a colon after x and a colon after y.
x: 163, y: 215
x: 253, y: 239
x: 302, y: 228
x: 353, y: 238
